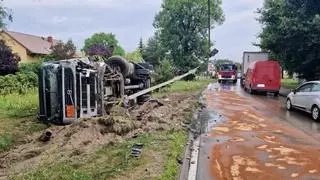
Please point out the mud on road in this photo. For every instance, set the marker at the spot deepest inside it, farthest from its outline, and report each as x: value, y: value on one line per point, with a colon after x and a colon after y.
x: 249, y: 144
x: 82, y: 138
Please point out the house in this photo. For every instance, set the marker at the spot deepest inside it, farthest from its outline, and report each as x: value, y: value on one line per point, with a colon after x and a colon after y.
x: 30, y: 48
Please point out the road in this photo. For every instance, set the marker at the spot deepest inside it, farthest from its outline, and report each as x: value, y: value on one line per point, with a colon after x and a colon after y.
x: 255, y: 137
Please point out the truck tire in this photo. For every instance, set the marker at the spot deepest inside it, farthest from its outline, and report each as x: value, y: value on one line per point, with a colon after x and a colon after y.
x: 118, y: 61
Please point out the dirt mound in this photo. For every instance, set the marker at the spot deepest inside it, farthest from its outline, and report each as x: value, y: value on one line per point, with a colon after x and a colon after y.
x: 87, y: 135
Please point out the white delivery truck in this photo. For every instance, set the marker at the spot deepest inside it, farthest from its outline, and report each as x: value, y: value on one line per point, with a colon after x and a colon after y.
x: 250, y: 57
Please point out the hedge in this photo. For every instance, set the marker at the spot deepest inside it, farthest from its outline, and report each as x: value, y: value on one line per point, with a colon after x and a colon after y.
x: 21, y: 82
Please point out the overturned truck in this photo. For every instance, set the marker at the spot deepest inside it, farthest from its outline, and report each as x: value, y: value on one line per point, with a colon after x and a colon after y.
x: 81, y: 88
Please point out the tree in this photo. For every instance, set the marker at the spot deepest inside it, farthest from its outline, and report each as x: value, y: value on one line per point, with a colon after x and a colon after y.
x: 291, y: 33
x: 100, y: 50
x: 106, y: 40
x: 134, y: 56
x: 141, y: 46
x: 154, y: 52
x: 164, y: 71
x: 8, y: 60
x: 5, y: 14
x: 62, y: 51
x: 183, y: 29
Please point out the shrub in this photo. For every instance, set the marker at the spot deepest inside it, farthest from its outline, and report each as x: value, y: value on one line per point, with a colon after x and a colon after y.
x: 20, y: 83
x: 164, y: 72
x: 30, y: 67
x: 8, y: 60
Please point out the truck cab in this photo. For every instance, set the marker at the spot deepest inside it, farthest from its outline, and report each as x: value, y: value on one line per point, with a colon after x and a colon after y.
x: 227, y: 72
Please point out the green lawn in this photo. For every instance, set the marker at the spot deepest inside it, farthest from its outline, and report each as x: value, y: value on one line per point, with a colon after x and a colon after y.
x: 184, y: 86
x: 289, y: 83
x: 18, y: 117
x: 115, y: 162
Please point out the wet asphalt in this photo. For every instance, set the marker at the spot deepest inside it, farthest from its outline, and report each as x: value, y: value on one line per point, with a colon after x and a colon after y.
x: 254, y: 137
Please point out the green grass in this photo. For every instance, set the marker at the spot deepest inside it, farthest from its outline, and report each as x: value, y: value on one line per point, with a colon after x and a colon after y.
x: 18, y: 118
x: 289, y: 83
x: 176, y: 150
x: 184, y: 86
x: 5, y: 142
x: 19, y: 105
x: 114, y: 161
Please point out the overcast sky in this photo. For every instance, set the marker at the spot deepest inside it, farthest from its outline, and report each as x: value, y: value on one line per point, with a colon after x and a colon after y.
x: 129, y: 20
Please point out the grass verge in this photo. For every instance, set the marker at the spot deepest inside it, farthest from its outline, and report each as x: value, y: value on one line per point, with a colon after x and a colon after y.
x: 19, y: 105
x: 115, y: 162
x: 289, y: 83
x: 17, y: 118
x: 183, y: 86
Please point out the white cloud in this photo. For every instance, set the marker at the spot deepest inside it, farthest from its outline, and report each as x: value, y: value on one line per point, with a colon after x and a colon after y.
x: 58, y: 19
x: 239, y: 30
x: 107, y: 4
x: 128, y: 20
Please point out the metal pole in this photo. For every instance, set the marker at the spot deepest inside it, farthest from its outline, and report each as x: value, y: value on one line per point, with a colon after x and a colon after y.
x: 209, y: 25
x: 209, y: 33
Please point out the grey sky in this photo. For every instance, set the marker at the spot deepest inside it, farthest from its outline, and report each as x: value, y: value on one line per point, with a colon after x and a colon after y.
x: 128, y: 19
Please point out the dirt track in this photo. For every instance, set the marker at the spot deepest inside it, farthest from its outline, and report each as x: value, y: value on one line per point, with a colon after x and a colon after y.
x: 87, y: 135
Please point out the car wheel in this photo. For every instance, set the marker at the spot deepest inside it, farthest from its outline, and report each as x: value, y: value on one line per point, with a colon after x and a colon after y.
x: 315, y: 112
x: 289, y: 105
x: 250, y: 90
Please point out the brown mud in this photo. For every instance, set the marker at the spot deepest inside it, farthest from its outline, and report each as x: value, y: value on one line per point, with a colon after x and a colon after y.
x: 82, y: 138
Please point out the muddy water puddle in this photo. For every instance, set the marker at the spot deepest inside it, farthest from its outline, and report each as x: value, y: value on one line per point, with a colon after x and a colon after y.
x: 252, y: 145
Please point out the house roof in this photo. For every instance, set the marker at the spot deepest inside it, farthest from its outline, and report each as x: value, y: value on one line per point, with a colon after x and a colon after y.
x: 34, y: 44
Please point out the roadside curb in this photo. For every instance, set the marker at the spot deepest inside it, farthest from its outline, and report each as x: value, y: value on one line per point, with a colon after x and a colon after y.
x: 184, y: 170
x: 284, y: 92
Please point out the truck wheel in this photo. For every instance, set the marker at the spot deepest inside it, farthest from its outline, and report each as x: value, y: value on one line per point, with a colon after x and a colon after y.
x: 123, y: 64
x: 276, y: 94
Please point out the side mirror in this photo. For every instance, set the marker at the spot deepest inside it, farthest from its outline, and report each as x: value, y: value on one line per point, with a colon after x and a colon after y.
x: 294, y: 91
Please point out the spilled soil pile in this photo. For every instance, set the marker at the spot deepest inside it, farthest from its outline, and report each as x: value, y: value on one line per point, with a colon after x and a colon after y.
x: 82, y: 138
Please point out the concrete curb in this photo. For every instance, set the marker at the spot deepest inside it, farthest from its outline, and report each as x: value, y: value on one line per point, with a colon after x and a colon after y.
x: 284, y: 92
x: 184, y: 170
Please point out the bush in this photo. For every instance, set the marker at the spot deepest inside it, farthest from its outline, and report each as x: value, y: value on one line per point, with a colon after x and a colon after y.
x: 8, y: 60
x: 20, y: 83
x: 164, y: 72
x: 30, y: 67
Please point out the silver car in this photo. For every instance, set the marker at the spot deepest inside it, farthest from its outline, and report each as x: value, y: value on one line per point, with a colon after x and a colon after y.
x: 306, y: 98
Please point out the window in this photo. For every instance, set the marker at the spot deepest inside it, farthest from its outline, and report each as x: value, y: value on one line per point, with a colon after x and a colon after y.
x: 316, y: 87
x: 305, y: 88
x: 228, y: 67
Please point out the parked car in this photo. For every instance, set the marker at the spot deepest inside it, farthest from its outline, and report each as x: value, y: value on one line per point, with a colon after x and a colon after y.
x: 227, y: 72
x: 263, y: 76
x: 306, y: 98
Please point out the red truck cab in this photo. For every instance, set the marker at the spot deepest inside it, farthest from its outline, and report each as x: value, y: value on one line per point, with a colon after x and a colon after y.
x: 227, y: 72
x: 263, y: 76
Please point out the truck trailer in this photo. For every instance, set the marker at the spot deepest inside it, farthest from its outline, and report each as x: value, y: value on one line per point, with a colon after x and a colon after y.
x: 248, y: 58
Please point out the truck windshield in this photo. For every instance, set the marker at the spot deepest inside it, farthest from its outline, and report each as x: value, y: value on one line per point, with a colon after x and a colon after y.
x: 227, y: 67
